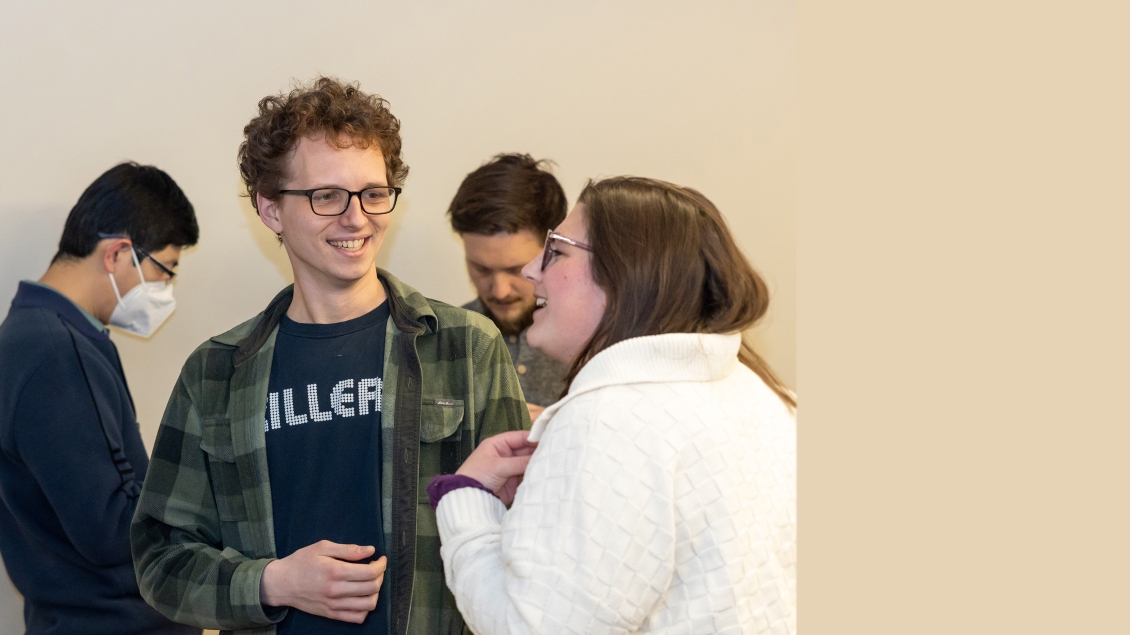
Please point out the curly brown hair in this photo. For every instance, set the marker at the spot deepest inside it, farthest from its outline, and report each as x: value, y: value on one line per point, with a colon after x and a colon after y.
x: 342, y: 112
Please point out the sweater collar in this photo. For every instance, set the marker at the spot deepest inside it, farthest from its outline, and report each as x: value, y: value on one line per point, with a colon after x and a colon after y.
x: 672, y: 357
x: 30, y: 295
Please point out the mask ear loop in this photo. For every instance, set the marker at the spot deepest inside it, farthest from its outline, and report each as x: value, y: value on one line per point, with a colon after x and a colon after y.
x: 137, y: 264
x: 114, y: 283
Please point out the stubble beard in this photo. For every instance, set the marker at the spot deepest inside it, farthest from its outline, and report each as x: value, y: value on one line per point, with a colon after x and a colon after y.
x: 510, y: 327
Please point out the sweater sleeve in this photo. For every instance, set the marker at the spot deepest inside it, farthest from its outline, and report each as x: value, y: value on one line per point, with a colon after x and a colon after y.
x: 588, y: 545
x: 62, y: 443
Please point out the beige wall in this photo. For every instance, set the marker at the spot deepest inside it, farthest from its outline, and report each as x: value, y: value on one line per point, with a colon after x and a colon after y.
x: 697, y: 94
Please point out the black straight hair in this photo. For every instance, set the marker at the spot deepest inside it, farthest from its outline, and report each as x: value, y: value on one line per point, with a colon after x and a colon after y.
x: 139, y: 202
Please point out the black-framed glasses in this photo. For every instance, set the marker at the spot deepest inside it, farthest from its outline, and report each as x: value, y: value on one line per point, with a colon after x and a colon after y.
x: 546, y: 257
x: 145, y: 254
x: 142, y: 254
x: 333, y: 201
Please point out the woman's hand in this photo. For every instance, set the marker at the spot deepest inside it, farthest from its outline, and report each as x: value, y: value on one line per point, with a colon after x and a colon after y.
x: 499, y: 463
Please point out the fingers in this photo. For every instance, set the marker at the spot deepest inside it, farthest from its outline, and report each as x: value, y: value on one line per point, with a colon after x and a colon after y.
x: 370, y: 585
x: 350, y: 616
x: 347, y: 572
x: 343, y: 552
x: 493, y: 471
x: 510, y: 443
x: 353, y: 617
x: 526, y: 451
x: 351, y: 589
x: 508, y: 490
x: 324, y: 579
x: 352, y: 601
x: 499, y: 458
x: 507, y: 467
x: 379, y: 565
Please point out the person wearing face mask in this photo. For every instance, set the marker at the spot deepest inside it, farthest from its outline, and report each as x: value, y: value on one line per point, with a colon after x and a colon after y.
x: 73, y: 460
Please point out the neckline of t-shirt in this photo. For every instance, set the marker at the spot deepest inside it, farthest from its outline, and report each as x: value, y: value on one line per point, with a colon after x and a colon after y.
x: 300, y: 329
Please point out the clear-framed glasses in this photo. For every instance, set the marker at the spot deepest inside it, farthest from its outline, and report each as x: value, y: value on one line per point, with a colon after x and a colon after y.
x: 333, y: 201
x: 549, y: 250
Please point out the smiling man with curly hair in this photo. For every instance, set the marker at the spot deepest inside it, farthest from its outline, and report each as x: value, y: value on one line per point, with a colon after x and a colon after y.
x: 284, y: 493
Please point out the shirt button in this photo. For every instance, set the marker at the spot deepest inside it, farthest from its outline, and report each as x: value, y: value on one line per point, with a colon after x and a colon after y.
x: 513, y: 339
x: 521, y: 369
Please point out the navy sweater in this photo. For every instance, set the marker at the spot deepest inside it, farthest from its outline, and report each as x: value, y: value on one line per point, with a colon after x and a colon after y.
x: 71, y: 467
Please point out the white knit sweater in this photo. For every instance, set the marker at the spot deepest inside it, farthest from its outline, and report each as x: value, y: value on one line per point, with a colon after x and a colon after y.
x: 661, y: 499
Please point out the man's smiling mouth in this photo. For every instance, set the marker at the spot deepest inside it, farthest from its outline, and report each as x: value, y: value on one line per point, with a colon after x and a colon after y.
x: 348, y: 245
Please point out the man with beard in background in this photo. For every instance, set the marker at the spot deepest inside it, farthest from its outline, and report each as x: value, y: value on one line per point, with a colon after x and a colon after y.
x: 503, y: 211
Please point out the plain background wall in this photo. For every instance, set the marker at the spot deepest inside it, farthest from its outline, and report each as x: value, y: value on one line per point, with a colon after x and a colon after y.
x: 701, y: 95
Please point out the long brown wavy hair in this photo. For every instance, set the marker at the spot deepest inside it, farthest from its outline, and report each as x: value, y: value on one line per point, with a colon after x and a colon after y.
x: 668, y: 264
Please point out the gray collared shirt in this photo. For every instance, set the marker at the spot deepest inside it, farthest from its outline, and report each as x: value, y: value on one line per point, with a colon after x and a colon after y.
x: 540, y: 376
x: 86, y: 314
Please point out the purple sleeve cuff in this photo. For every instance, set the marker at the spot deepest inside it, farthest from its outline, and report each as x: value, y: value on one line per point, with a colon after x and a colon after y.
x: 444, y: 483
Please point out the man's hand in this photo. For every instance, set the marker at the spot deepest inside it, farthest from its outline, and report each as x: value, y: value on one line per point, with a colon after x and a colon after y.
x: 319, y: 580
x: 535, y: 411
x: 499, y: 463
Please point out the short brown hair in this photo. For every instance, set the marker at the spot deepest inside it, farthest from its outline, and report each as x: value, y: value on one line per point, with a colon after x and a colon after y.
x: 510, y: 193
x: 668, y: 264
x: 342, y: 112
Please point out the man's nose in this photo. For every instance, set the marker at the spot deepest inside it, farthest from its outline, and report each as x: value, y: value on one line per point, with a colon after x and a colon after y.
x: 501, y: 287
x: 354, y: 216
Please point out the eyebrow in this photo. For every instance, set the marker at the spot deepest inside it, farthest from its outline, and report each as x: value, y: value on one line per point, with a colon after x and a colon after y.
x: 342, y: 187
x: 514, y: 269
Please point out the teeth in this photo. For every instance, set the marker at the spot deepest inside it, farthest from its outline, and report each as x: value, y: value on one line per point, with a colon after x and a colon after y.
x: 540, y: 302
x: 348, y: 245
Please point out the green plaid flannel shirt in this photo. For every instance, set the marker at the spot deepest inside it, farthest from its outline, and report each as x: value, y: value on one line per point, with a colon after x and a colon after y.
x: 204, y: 532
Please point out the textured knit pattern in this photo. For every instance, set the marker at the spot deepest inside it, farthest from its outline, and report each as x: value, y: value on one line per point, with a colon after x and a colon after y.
x: 661, y: 499
x: 204, y: 532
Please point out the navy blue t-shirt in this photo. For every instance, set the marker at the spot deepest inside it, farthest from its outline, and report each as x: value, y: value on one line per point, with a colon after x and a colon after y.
x: 323, y: 430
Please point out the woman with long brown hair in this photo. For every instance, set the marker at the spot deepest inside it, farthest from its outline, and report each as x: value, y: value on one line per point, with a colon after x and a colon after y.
x: 659, y: 493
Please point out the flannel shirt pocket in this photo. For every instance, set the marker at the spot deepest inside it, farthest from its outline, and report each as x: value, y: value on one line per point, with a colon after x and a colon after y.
x: 223, y: 471
x: 441, y: 419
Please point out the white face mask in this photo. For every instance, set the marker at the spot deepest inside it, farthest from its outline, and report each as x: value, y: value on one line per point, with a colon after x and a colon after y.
x: 145, y: 307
